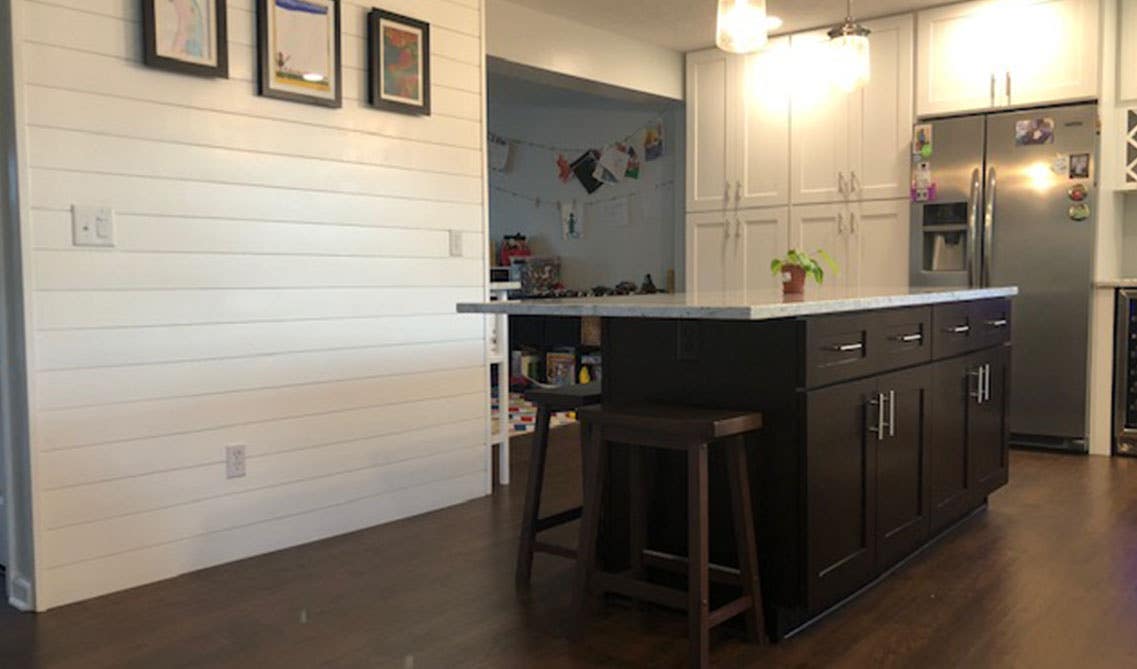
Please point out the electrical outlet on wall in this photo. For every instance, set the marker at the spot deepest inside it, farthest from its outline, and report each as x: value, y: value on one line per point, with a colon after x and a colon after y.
x: 234, y: 461
x: 92, y: 226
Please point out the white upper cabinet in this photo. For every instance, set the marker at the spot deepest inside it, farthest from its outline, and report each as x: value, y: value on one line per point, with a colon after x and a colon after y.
x: 737, y: 129
x: 852, y: 146
x: 880, y: 116
x: 709, y: 119
x: 990, y: 54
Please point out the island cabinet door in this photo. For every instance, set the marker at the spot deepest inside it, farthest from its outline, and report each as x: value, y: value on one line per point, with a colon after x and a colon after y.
x: 953, y: 394
x: 901, y: 463
x: 988, y: 430
x: 840, y: 453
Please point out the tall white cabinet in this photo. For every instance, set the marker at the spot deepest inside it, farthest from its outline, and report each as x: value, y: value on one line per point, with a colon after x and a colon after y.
x: 837, y: 181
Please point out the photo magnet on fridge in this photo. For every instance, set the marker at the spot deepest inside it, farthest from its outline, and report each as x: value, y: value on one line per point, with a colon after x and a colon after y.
x: 1079, y: 166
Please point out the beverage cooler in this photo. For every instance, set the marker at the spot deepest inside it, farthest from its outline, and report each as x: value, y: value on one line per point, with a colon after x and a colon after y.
x: 1125, y: 375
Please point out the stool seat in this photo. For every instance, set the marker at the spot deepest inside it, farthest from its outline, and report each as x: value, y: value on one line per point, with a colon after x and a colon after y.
x: 693, y: 431
x: 548, y: 401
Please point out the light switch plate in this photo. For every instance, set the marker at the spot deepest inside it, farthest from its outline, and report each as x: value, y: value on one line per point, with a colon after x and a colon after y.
x: 234, y: 461
x: 455, y: 244
x: 92, y: 226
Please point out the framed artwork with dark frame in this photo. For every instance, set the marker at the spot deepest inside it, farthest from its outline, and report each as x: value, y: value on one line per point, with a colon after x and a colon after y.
x: 299, y: 51
x: 398, y: 63
x: 186, y: 36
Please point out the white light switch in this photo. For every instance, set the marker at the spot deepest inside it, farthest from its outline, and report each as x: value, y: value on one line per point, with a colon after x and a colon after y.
x: 455, y: 244
x: 92, y: 226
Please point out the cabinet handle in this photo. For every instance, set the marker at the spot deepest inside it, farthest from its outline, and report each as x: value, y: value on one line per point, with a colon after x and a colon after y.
x: 845, y: 348
x: 841, y: 187
x: 978, y: 394
x: 998, y: 323
x: 892, y: 413
x: 992, y: 89
x: 737, y: 227
x: 737, y: 192
x: 879, y: 404
x: 854, y: 183
x: 1008, y: 87
x: 959, y: 329
x: 840, y: 223
x: 852, y: 222
x: 725, y: 193
x: 987, y: 382
x: 908, y: 338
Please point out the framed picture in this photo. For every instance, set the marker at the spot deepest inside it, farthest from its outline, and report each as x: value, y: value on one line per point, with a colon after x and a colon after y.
x: 187, y: 36
x: 299, y: 51
x: 398, y: 63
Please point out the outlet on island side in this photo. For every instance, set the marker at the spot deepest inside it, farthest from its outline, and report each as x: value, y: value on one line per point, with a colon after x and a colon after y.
x: 234, y: 461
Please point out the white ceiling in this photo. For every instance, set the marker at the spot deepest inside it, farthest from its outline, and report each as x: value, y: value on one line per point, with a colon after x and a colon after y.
x: 686, y: 25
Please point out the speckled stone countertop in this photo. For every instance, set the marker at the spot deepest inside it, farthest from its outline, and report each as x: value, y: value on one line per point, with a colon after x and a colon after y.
x: 741, y: 305
x: 1116, y: 283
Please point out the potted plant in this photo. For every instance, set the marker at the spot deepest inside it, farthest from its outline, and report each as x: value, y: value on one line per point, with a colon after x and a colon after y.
x: 796, y: 265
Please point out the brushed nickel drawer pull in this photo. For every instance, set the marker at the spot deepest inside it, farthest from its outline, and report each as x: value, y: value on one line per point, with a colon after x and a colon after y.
x: 998, y: 323
x: 845, y: 348
x: 959, y: 329
x: 908, y: 338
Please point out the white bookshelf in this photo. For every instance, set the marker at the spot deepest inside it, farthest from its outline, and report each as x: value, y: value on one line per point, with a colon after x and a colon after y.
x: 497, y: 354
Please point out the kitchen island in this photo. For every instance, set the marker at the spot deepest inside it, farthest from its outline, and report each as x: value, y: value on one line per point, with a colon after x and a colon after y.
x: 885, y: 422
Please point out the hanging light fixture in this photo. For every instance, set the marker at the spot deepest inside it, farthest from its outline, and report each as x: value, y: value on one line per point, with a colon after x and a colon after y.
x: 850, y: 44
x: 741, y: 25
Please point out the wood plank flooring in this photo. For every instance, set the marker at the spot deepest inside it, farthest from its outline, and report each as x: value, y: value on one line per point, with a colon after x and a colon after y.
x: 1046, y: 577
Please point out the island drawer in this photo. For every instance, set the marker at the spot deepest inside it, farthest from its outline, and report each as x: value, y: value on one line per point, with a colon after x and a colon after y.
x: 963, y: 327
x: 845, y: 347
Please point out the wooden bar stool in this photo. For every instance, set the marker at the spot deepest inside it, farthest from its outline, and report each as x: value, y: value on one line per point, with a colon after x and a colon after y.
x: 548, y: 401
x: 693, y: 431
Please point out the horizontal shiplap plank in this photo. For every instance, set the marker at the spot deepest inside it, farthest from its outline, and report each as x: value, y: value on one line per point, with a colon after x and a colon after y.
x: 280, y: 452
x: 72, y: 388
x: 53, y: 230
x: 109, y: 115
x: 66, y: 270
x: 59, y: 189
x: 110, y: 347
x: 97, y: 577
x: 117, y: 424
x: 91, y: 309
x: 50, y: 148
x: 58, y: 67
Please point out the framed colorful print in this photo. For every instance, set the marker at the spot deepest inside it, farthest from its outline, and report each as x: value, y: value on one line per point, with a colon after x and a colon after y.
x: 187, y: 36
x: 299, y: 51
x: 398, y: 63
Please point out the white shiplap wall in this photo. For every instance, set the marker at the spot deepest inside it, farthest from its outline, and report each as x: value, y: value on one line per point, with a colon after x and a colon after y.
x: 281, y: 279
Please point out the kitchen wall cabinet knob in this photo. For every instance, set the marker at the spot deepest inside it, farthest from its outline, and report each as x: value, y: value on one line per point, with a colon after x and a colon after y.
x: 854, y: 183
x: 852, y: 223
x: 840, y: 223
x: 737, y: 192
x: 992, y: 89
x: 1008, y: 87
x: 841, y: 187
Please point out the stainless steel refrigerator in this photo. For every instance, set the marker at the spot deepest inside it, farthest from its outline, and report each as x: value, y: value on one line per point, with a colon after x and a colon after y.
x: 1010, y: 199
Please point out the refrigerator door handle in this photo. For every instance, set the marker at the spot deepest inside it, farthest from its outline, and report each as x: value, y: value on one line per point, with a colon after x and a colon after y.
x: 973, y: 231
x: 988, y: 226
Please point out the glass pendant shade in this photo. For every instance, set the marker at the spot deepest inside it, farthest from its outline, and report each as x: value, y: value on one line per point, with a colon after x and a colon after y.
x: 849, y: 43
x: 741, y: 25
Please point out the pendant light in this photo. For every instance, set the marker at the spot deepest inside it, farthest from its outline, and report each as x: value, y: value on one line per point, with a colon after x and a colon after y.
x: 850, y: 45
x: 741, y: 25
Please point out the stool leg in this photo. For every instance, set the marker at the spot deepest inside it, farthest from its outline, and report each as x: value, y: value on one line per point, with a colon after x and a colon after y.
x: 698, y: 558
x: 637, y: 500
x: 596, y: 464
x: 743, y: 514
x: 532, y: 500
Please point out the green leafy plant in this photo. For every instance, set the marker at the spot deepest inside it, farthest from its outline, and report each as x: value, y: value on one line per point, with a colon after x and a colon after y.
x: 812, y: 267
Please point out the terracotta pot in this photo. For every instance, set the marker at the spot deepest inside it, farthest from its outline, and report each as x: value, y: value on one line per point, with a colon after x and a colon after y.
x: 793, y: 280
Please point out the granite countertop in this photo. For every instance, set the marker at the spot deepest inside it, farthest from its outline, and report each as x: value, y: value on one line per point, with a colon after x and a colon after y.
x: 741, y: 305
x: 1116, y: 283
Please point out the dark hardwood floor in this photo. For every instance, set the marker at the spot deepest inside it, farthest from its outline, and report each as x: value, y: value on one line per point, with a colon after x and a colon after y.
x: 1046, y: 577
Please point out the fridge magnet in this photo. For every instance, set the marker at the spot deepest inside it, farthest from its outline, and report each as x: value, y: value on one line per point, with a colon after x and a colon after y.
x: 1034, y: 131
x: 186, y: 36
x: 499, y: 150
x: 922, y: 140
x: 633, y: 171
x: 564, y: 169
x: 398, y: 63
x: 1061, y: 164
x: 1079, y: 166
x: 923, y: 187
x: 299, y: 51
x: 583, y: 167
x: 612, y: 164
x: 1079, y: 211
x: 1077, y: 192
x: 653, y: 141
x: 571, y: 225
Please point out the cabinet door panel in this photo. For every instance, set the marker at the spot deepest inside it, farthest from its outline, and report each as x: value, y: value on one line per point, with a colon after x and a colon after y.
x: 988, y: 430
x: 764, y: 146
x: 953, y: 382
x: 709, y: 114
x: 1041, y: 72
x: 880, y: 232
x: 955, y: 70
x: 711, y: 248
x: 881, y: 115
x: 901, y: 466
x: 839, y: 466
x: 765, y: 236
x: 819, y: 126
x: 824, y: 227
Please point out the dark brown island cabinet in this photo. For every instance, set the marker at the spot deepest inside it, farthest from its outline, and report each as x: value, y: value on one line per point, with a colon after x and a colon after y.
x: 883, y: 429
